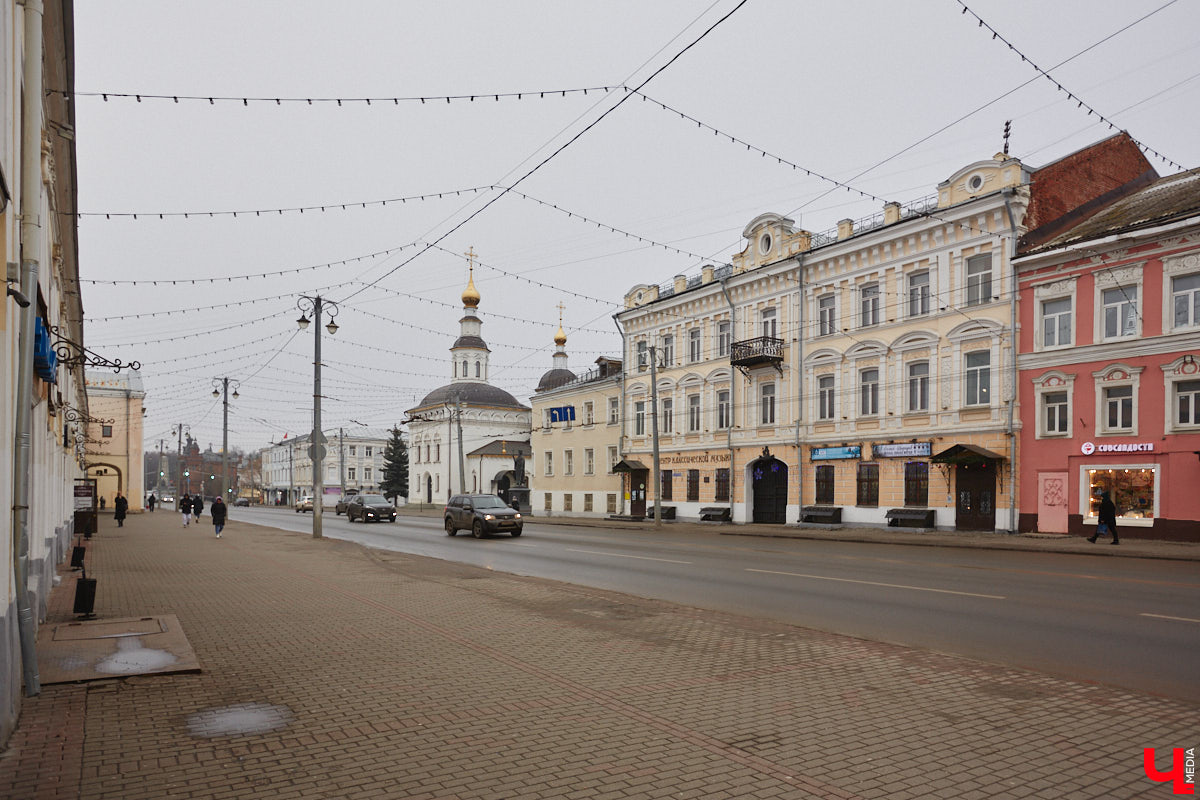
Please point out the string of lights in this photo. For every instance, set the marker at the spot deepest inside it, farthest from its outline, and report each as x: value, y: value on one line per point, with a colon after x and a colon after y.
x: 193, y: 335
x: 454, y: 335
x: 179, y: 311
x: 1091, y: 111
x: 530, y: 281
x: 212, y: 100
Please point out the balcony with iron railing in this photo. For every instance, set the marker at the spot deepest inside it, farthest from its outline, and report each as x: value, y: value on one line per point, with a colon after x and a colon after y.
x: 756, y: 352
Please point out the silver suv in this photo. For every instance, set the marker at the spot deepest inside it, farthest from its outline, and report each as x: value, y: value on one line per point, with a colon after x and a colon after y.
x: 481, y: 514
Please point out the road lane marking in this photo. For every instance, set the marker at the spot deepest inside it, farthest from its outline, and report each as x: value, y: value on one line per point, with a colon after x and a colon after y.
x: 623, y: 555
x: 1164, y: 616
x: 873, y: 583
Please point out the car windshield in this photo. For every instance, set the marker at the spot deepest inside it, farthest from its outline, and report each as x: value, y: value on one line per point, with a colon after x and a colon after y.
x: 489, y: 501
x: 373, y: 498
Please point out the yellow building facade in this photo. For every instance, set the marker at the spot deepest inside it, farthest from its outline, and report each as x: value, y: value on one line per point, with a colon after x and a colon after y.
x: 114, y: 437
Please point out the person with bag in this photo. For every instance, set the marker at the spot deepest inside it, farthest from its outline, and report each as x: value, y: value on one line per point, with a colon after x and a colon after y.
x: 1106, y: 522
x: 120, y: 509
x: 218, y: 513
x: 185, y: 506
x: 197, y: 506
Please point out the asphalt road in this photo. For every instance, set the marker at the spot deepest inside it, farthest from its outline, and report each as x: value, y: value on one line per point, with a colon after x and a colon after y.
x: 1128, y: 622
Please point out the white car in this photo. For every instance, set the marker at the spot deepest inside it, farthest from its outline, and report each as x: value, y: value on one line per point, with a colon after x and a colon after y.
x: 304, y: 504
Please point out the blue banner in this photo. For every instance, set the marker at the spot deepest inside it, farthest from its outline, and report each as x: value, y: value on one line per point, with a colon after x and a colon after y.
x: 829, y: 453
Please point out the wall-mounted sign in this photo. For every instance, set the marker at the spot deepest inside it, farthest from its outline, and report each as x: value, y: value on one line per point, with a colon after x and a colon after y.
x: 829, y: 453
x: 902, y: 450
x: 562, y: 414
x: 1090, y: 447
x: 695, y: 458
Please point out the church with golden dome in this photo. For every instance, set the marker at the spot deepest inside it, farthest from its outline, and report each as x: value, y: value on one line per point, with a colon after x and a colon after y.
x: 465, y: 437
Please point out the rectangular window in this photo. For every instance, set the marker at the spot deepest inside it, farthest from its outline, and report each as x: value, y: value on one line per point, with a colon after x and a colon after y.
x: 825, y: 397
x: 587, y: 502
x: 827, y: 313
x: 106, y: 431
x: 1056, y: 322
x: 767, y: 397
x: 351, y: 473
x: 918, y: 386
x: 667, y: 353
x: 724, y: 410
x: 549, y: 502
x: 694, y: 345
x: 639, y: 418
x: 1185, y: 300
x: 549, y: 462
x: 366, y: 473
x: 568, y: 502
x: 979, y: 378
x: 667, y: 478
x: 1055, y: 414
x: 918, y: 294
x: 868, y: 484
x: 1187, y: 402
x: 722, y: 489
x: 643, y: 354
x: 916, y: 483
x: 353, y: 450
x: 693, y: 413
x: 1118, y: 408
x: 724, y: 337
x: 693, y: 486
x: 869, y: 305
x: 1131, y: 490
x: 1120, y: 312
x: 612, y: 504
x: 825, y: 484
x: 612, y: 459
x: 668, y: 415
x: 769, y: 321
x: 568, y: 462
x: 589, y: 413
x: 614, y: 410
x: 868, y: 392
x: 589, y: 461
x: 367, y: 452
x: 979, y: 279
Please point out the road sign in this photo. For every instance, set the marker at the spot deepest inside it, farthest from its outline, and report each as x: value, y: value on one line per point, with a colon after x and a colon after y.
x: 319, y: 437
x: 316, y: 451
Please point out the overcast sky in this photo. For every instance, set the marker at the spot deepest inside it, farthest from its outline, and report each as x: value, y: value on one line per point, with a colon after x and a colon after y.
x: 838, y: 87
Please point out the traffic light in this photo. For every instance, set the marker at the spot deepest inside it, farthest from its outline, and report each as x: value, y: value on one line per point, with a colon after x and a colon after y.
x: 161, y: 473
x: 187, y: 473
x: 212, y: 477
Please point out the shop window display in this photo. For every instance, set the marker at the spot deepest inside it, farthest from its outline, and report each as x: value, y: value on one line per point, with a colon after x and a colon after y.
x: 1132, y: 491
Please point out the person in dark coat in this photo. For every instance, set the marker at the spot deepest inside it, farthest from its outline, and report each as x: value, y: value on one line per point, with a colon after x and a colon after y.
x: 198, y: 506
x: 152, y: 501
x: 218, y: 512
x: 120, y: 507
x: 1106, y: 517
x: 185, y: 506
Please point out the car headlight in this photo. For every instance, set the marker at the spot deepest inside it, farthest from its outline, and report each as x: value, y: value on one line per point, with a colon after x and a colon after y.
x: 516, y: 516
x: 489, y: 516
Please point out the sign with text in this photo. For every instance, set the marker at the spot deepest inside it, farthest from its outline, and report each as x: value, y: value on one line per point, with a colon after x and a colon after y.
x: 902, y: 450
x: 695, y: 458
x: 1087, y: 448
x: 562, y: 414
x: 829, y: 453
x: 85, y: 495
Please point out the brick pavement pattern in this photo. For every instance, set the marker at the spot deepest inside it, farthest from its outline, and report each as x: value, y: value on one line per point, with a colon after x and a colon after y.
x: 384, y: 675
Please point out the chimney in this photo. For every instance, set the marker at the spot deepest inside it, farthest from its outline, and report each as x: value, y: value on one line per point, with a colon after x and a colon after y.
x: 680, y: 283
x: 706, y: 273
x: 845, y: 229
x: 891, y: 213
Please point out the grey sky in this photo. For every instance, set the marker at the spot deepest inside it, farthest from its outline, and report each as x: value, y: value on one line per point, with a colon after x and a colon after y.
x: 831, y: 86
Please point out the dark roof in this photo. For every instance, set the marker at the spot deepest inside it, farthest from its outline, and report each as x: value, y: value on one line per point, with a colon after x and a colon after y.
x: 470, y: 341
x: 471, y: 394
x: 1169, y: 198
x: 965, y: 454
x: 554, y: 378
x: 504, y: 447
x: 629, y: 465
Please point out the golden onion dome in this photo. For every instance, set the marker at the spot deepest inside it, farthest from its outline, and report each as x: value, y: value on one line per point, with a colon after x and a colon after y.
x: 560, y: 338
x: 470, y: 295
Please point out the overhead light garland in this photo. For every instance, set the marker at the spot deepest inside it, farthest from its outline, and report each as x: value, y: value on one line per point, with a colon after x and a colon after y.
x: 246, y: 100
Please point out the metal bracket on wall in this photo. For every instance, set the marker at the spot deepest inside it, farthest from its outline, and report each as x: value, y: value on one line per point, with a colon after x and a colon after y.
x: 71, y: 354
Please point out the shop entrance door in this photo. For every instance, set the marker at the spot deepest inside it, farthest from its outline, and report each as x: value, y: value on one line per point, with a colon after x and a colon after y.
x: 637, y: 492
x: 769, y: 478
x: 976, y: 496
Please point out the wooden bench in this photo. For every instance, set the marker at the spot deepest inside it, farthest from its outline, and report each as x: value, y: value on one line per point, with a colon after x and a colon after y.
x: 827, y: 515
x: 715, y: 514
x: 910, y: 517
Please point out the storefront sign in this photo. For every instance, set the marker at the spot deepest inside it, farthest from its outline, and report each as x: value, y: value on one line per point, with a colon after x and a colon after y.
x: 84, y: 497
x: 695, y: 458
x: 904, y: 450
x: 1128, y: 447
x: 829, y: 453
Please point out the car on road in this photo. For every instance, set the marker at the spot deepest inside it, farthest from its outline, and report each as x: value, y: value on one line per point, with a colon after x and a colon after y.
x: 304, y: 503
x: 242, y: 501
x: 344, y: 501
x: 370, y: 508
x: 169, y: 498
x: 481, y: 514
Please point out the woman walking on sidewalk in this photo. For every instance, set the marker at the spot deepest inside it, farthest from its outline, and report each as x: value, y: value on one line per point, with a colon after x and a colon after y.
x: 218, y: 512
x: 1106, y: 520
x: 185, y: 505
x: 120, y: 509
x: 197, y: 506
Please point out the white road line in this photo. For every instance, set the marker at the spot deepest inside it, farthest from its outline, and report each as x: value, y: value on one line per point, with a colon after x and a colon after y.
x: 1164, y: 616
x: 622, y: 555
x: 873, y: 583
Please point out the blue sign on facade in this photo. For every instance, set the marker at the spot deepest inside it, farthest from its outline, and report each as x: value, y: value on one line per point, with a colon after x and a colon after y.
x: 562, y: 414
x: 829, y: 453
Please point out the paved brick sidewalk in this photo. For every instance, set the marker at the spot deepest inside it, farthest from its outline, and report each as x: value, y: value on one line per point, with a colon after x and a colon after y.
x: 385, y: 675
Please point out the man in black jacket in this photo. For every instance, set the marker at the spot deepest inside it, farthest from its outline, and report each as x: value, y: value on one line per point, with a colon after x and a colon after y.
x: 218, y: 515
x: 198, y: 506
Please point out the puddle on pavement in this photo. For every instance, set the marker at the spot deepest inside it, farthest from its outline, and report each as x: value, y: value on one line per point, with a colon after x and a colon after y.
x: 132, y: 659
x: 239, y: 719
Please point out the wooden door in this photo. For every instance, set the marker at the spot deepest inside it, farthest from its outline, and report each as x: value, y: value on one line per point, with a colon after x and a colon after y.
x: 769, y: 480
x: 975, y: 485
x: 637, y: 492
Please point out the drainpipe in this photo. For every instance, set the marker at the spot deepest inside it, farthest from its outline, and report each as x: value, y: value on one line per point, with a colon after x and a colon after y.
x: 621, y: 414
x: 732, y: 391
x: 31, y: 230
x: 1012, y: 401
x: 800, y: 334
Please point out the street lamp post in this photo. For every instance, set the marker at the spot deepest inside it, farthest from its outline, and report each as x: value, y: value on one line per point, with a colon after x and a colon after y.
x: 225, y: 431
x: 316, y: 305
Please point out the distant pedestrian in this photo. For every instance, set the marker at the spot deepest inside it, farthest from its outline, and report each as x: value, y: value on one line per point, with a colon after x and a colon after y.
x: 102, y: 502
x: 218, y: 512
x: 197, y: 506
x: 1106, y: 522
x: 151, y: 502
x: 185, y: 505
x: 120, y: 507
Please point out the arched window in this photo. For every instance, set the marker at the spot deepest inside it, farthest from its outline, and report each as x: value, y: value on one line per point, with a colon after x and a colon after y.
x: 464, y: 368
x: 476, y: 369
x: 456, y: 369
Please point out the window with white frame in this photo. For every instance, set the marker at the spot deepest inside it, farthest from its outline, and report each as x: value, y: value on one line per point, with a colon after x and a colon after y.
x: 639, y: 418
x: 724, y: 410
x: 868, y: 390
x: 351, y: 473
x: 1118, y: 408
x: 869, y: 305
x: 643, y: 354
x: 353, y: 450
x: 568, y: 462
x: 769, y: 322
x: 367, y: 451
x: 666, y: 425
x: 694, y: 345
x: 1133, y: 489
x: 666, y: 355
x: 1056, y: 414
x: 614, y: 410
x: 1056, y: 322
x: 766, y: 394
x: 918, y: 294
x: 366, y: 473
x: 1182, y: 379
x: 548, y: 463
x: 979, y: 279
x: 1120, y: 310
x: 978, y: 368
x: 693, y: 413
x: 825, y: 397
x: 1185, y: 301
x: 724, y: 337
x: 612, y: 458
x: 589, y: 413
x: 827, y: 315
x: 918, y: 386
x: 589, y: 461
x: 1117, y: 390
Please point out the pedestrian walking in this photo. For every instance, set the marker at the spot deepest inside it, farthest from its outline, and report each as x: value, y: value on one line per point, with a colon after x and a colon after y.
x: 1106, y: 522
x: 218, y: 512
x: 185, y: 505
x: 197, y: 506
x: 120, y: 507
x: 101, y: 502
x: 151, y: 502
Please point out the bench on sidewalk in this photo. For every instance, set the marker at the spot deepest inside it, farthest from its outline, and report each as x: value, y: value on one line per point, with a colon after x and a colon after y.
x: 668, y: 512
x: 910, y: 517
x: 715, y: 514
x: 826, y: 515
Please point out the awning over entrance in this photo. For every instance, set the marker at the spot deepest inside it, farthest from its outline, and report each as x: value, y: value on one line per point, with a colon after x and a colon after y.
x: 965, y: 454
x: 629, y: 465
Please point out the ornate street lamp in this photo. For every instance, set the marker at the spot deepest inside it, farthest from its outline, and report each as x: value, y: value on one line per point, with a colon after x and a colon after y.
x: 316, y: 305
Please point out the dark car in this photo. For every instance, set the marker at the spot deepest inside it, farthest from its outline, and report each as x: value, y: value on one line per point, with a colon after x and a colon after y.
x: 242, y: 501
x: 481, y: 514
x: 344, y: 501
x: 370, y: 508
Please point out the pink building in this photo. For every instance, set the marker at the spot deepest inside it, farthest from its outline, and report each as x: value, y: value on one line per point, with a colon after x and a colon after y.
x: 1109, y: 364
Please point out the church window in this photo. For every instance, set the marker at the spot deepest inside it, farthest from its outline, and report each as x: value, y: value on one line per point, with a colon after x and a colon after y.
x: 464, y: 368
x: 476, y: 369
